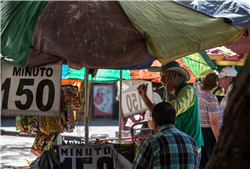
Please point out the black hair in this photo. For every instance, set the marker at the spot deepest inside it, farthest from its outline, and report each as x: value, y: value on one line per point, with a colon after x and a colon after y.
x: 157, y: 85
x: 164, y: 113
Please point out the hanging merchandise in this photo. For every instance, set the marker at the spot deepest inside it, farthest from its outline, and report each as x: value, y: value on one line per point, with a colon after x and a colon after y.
x: 21, y: 122
x: 68, y: 121
x: 33, y: 124
x: 43, y: 142
x: 51, y: 125
x: 70, y: 98
x: 23, y: 131
x: 64, y: 122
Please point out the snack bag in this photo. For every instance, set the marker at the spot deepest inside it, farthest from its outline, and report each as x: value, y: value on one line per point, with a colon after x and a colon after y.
x: 33, y: 124
x: 51, y: 125
x: 64, y: 121
x: 39, y: 143
x: 70, y: 98
x: 21, y: 122
x: 23, y: 131
x: 43, y: 142
x: 70, y: 121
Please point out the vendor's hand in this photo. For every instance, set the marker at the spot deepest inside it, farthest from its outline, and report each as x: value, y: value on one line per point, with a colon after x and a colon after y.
x: 173, y: 80
x: 142, y: 90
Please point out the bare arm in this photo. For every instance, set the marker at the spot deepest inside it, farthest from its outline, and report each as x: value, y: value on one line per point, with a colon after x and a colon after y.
x: 148, y: 104
x: 142, y: 91
x: 213, y: 117
x: 150, y: 125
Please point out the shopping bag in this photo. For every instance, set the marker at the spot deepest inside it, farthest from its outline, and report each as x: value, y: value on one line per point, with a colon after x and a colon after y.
x: 46, y: 161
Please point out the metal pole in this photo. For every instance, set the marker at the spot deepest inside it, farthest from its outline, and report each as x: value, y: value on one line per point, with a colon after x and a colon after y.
x: 120, y: 109
x: 86, y: 119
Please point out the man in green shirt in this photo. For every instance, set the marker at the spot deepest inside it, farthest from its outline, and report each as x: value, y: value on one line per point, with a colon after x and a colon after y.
x: 181, y: 96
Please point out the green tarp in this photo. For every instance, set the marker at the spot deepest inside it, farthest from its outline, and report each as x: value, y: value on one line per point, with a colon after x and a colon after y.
x: 18, y: 23
x: 199, y: 63
x: 102, y: 76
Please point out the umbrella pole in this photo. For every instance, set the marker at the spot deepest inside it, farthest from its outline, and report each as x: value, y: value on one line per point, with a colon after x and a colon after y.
x: 86, y: 119
x: 120, y: 109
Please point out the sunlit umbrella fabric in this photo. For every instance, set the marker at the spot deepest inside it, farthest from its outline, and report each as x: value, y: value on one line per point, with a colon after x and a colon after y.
x: 173, y: 30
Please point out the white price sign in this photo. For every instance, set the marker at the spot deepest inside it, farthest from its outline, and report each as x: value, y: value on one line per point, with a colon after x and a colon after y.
x: 31, y: 91
x: 86, y: 156
x: 131, y: 101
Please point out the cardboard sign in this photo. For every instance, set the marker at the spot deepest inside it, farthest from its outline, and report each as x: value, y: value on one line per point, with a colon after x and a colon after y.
x: 86, y: 156
x: 131, y: 101
x: 35, y: 92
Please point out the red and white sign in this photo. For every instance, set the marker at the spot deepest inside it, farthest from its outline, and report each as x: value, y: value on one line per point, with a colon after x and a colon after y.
x: 103, y: 100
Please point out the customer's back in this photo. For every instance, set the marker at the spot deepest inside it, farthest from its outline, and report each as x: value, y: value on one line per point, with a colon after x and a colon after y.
x: 169, y: 147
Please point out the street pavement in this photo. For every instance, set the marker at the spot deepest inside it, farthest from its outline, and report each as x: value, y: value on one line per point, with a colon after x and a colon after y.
x: 15, y: 149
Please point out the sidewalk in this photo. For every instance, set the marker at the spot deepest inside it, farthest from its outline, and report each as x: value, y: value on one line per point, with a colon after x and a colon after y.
x: 96, y: 126
x: 15, y: 148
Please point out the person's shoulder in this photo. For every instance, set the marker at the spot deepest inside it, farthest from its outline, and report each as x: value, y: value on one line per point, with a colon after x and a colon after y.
x: 187, y: 90
x: 207, y: 96
x: 183, y: 138
x: 183, y: 135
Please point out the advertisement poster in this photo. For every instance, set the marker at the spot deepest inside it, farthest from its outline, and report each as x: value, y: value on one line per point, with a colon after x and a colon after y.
x: 103, y: 100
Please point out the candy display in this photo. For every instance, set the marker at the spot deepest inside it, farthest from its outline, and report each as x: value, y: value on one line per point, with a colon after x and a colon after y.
x: 48, y: 128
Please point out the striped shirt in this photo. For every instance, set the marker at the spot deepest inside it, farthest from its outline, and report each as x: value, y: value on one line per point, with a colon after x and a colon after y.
x: 208, y: 103
x: 168, y: 148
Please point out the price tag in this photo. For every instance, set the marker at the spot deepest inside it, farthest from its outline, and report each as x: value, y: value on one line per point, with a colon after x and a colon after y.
x: 131, y: 101
x: 31, y: 91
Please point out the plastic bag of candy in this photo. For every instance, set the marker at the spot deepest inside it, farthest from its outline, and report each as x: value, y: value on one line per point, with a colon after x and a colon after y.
x: 33, y: 124
x: 70, y: 98
x: 50, y: 125
x: 43, y: 142
x: 21, y: 122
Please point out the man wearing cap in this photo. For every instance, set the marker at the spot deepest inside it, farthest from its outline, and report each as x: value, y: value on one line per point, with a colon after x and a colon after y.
x: 226, y: 78
x: 181, y: 95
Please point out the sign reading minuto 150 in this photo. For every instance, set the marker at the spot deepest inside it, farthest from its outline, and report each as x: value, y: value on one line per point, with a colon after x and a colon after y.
x: 34, y: 91
x: 131, y: 101
x: 86, y: 156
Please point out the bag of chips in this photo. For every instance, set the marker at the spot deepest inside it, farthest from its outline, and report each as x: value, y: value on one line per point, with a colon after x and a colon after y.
x: 33, y: 124
x: 21, y: 122
x: 64, y: 121
x: 23, y: 131
x: 43, y: 142
x: 51, y: 125
x: 70, y: 98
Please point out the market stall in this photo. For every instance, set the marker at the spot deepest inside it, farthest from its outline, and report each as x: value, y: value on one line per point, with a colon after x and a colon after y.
x: 131, y: 44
